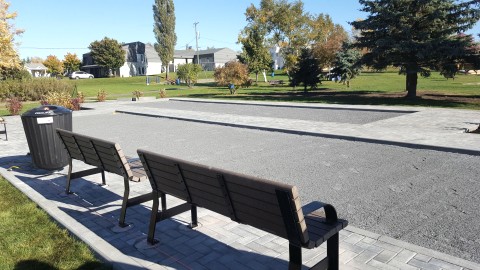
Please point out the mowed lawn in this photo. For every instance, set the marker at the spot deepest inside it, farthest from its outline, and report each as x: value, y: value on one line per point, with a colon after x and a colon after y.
x: 370, y: 88
x: 29, y: 239
x: 381, y: 88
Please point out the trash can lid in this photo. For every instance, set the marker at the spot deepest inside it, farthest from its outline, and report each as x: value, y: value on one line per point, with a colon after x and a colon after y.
x: 46, y: 110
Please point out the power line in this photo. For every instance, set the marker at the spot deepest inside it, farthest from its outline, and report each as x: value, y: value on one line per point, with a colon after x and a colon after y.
x: 43, y: 48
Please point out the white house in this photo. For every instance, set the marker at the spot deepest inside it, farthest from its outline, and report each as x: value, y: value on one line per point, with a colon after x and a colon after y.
x: 278, y: 60
x: 36, y: 69
x: 141, y: 59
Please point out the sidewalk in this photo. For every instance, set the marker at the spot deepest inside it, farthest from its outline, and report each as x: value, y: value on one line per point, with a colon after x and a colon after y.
x: 219, y: 243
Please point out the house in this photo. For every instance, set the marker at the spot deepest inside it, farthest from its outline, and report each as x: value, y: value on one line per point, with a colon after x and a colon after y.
x: 141, y: 59
x: 36, y: 69
x: 214, y: 58
x: 277, y: 58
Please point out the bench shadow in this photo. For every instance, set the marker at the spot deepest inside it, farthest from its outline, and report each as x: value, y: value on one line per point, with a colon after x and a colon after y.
x: 180, y: 247
x: 40, y: 265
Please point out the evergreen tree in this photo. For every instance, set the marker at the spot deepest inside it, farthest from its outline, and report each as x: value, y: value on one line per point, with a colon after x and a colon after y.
x: 164, y: 29
x: 254, y: 52
x: 415, y: 35
x: 108, y: 53
x: 346, y: 64
x: 307, y: 71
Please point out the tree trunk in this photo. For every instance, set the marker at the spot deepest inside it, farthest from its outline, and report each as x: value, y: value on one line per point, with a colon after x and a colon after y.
x: 411, y: 83
x: 256, y: 77
x: 166, y: 71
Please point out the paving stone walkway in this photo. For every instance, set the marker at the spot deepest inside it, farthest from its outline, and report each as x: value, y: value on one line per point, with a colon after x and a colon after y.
x: 92, y: 212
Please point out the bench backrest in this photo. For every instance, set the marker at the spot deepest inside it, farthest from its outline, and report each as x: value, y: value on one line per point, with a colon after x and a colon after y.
x: 245, y: 199
x: 96, y: 152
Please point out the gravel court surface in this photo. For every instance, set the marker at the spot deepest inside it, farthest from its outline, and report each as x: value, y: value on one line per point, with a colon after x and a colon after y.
x: 323, y: 114
x: 424, y: 197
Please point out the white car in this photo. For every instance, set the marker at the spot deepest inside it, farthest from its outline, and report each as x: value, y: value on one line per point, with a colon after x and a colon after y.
x: 80, y: 75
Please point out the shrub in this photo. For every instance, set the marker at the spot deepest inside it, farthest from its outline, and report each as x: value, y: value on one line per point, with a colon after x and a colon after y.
x: 101, y: 95
x: 137, y: 94
x: 163, y: 93
x: 189, y: 73
x: 62, y: 99
x: 233, y: 74
x: 14, y: 105
x: 81, y: 97
x: 32, y: 89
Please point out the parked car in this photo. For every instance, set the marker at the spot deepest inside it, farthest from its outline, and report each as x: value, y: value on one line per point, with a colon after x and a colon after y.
x: 80, y: 75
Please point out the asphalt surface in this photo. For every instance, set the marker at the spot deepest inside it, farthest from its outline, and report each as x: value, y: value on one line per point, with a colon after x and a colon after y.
x: 424, y: 197
x: 299, y: 112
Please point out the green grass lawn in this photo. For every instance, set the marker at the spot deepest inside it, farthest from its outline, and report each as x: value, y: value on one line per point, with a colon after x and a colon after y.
x: 370, y: 88
x: 29, y: 239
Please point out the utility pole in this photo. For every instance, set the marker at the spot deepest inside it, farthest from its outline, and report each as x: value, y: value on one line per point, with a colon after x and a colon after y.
x: 196, y: 41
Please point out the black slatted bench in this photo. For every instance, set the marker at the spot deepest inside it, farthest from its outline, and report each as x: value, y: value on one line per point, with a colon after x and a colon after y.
x: 271, y: 206
x: 105, y: 156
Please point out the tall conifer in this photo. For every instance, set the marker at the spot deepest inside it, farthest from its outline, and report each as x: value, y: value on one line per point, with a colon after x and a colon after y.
x: 415, y: 35
x: 164, y: 29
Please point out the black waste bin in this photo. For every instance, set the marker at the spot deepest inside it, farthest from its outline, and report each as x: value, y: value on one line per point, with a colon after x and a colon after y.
x: 45, y: 146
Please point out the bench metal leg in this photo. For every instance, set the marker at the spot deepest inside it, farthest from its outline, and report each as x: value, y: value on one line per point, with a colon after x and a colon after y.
x: 295, y: 256
x: 123, y: 211
x: 194, y: 216
x: 332, y: 252
x: 74, y: 175
x: 153, y: 218
x: 69, y: 177
x: 4, y: 131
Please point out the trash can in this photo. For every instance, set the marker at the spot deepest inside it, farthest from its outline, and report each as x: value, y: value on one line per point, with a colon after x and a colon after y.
x: 46, y: 148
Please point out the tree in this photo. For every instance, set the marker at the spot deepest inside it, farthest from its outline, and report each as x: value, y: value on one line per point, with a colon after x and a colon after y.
x: 71, y: 62
x: 286, y: 25
x: 107, y: 53
x: 307, y: 71
x: 254, y: 52
x: 415, y: 35
x: 346, y: 64
x: 327, y: 39
x: 9, y: 60
x: 234, y: 74
x: 189, y: 73
x: 164, y: 29
x: 53, y: 65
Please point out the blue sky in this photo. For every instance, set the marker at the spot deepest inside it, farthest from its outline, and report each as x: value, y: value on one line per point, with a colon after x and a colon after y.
x: 58, y: 26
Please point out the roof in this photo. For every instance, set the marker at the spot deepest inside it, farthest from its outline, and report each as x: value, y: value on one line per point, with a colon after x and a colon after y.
x: 35, y: 66
x: 150, y: 54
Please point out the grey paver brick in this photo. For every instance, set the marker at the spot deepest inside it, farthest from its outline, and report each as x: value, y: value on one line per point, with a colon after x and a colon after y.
x: 347, y: 256
x: 404, y: 256
x: 354, y: 238
x: 423, y: 265
x: 423, y: 258
x: 381, y: 265
x: 365, y: 256
x: 388, y: 246
x: 444, y: 265
x: 402, y: 265
x: 385, y: 256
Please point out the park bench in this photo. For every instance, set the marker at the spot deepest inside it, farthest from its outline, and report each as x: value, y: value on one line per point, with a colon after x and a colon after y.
x: 271, y: 206
x: 105, y: 156
x: 4, y: 131
x: 276, y: 82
